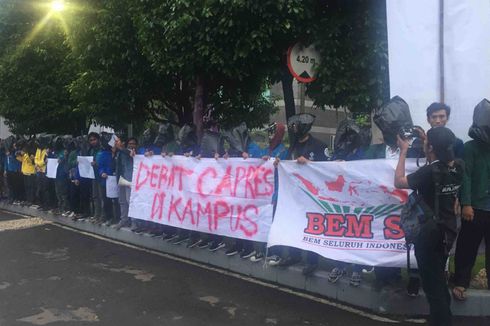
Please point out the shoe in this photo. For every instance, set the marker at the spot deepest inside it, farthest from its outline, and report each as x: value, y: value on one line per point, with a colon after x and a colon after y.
x: 76, y: 217
x: 309, y: 269
x: 194, y: 243
x: 355, y: 279
x: 203, y: 245
x: 71, y: 215
x: 170, y: 237
x: 156, y: 233
x: 257, y: 257
x: 16, y: 203
x: 247, y: 254
x: 335, y: 275
x: 232, y: 251
x: 139, y: 230
x: 121, y: 225
x: 107, y: 223
x: 368, y: 271
x: 216, y: 245
x: 413, y: 287
x: 289, y: 261
x: 65, y: 213
x: 273, y: 260
x: 34, y: 206
x: 180, y: 240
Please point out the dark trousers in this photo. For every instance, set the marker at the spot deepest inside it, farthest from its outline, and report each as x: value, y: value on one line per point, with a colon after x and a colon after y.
x: 61, y: 188
x: 112, y: 210
x: 74, y: 197
x: 85, y: 189
x: 431, y: 254
x: 42, y: 189
x: 311, y: 257
x: 30, y: 187
x: 469, y: 240
x: 15, y: 184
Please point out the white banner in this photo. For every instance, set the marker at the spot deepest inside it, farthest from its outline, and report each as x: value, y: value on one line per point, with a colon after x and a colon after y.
x: 85, y: 168
x: 227, y: 197
x: 111, y: 187
x: 51, y: 168
x: 347, y: 211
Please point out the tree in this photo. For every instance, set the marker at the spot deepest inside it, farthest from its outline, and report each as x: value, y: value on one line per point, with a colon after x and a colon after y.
x: 34, y: 73
x: 351, y: 38
x: 218, y: 45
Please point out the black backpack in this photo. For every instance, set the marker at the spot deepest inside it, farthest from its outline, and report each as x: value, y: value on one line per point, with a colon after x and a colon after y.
x: 416, y: 212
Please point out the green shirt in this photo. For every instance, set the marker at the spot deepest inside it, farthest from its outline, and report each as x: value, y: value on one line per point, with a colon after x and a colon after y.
x: 474, y: 191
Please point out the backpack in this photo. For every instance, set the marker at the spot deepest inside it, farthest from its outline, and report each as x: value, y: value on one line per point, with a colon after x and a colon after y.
x: 416, y: 212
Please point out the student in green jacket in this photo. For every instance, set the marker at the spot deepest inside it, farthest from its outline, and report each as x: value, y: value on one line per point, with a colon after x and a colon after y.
x: 475, y: 199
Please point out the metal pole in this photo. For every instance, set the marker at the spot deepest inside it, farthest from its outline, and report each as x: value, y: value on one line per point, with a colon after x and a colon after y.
x: 302, y: 90
x: 441, y: 52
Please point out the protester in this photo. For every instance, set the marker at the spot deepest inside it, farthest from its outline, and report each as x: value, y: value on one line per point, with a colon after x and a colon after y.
x: 3, y: 181
x: 438, y: 184
x: 148, y: 149
x: 85, y: 184
x: 72, y: 147
x: 347, y: 147
x: 12, y: 172
x: 305, y: 148
x: 26, y: 157
x: 94, y: 142
x: 169, y: 146
x: 40, y: 165
x: 105, y: 168
x: 393, y: 118
x: 61, y: 180
x: 438, y: 116
x: 475, y: 199
x: 277, y: 150
x: 124, y: 174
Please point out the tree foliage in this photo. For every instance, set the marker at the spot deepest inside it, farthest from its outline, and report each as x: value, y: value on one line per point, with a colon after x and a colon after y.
x: 125, y: 61
x: 34, y: 75
x: 351, y: 38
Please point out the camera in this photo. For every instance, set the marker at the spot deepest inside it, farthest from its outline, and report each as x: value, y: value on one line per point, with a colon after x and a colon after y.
x: 408, y: 132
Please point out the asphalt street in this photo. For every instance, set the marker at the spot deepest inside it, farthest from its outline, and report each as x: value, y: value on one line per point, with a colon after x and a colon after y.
x: 51, y: 275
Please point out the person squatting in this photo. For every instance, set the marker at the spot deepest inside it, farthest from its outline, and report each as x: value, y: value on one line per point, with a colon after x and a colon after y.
x: 462, y: 189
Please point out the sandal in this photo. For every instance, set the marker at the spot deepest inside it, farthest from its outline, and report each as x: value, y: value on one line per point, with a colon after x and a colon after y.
x: 459, y: 293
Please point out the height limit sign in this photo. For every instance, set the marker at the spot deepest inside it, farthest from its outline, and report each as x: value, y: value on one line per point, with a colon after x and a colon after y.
x: 302, y: 62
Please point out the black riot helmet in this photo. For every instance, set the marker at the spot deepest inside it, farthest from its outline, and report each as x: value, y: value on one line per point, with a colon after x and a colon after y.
x: 300, y: 124
x: 45, y: 140
x: 238, y: 139
x: 165, y: 134
x: 187, y: 138
x: 347, y: 138
x: 392, y: 117
x: 149, y: 136
x: 480, y: 129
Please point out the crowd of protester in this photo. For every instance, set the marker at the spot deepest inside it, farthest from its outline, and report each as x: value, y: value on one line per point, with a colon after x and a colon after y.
x: 24, y: 162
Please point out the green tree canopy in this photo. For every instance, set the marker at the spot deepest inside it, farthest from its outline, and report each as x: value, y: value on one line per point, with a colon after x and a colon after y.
x: 34, y: 73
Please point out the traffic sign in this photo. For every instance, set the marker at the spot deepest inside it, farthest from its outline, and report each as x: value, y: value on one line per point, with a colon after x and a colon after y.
x: 302, y: 62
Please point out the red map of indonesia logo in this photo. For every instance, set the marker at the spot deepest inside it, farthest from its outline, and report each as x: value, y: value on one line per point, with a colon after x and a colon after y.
x: 345, y: 211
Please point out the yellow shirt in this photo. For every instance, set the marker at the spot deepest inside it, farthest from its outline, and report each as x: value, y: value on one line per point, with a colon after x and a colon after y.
x: 39, y: 160
x: 27, y: 167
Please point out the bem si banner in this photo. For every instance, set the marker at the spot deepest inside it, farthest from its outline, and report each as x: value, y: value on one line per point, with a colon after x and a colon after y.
x: 347, y: 211
x: 229, y: 197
